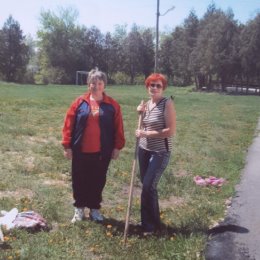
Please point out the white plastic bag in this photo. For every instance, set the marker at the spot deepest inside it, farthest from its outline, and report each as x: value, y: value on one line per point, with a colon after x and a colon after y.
x: 8, y: 218
x: 27, y: 219
x: 1, y: 235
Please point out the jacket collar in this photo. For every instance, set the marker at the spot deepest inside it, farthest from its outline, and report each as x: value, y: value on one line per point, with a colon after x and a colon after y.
x: 86, y: 97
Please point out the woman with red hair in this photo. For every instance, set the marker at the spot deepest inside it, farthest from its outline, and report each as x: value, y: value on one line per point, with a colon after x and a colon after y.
x: 155, y: 145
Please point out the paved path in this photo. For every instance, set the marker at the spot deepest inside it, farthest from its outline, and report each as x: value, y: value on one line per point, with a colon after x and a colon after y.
x: 238, y: 237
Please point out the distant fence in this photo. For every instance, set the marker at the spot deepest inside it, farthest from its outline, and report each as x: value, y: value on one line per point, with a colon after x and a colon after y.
x: 242, y: 88
x: 236, y: 88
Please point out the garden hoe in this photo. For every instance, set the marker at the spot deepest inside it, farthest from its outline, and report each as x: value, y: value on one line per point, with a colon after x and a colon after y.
x: 133, y: 174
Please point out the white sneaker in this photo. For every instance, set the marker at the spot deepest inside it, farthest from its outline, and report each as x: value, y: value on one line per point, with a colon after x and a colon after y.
x: 78, y: 215
x: 95, y: 215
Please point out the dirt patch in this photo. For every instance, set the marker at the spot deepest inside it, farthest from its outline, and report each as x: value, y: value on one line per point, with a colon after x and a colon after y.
x: 18, y: 194
x: 56, y: 183
x: 136, y: 191
x: 29, y: 163
x: 181, y: 173
x: 34, y: 139
x: 172, y: 202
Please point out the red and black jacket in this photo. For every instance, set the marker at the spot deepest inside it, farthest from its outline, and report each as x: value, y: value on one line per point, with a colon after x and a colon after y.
x: 110, y: 122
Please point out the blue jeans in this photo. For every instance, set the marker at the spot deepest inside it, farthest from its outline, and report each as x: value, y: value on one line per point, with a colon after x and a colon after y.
x: 152, y: 165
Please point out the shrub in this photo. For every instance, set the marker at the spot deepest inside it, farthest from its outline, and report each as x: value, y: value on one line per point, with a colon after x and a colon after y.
x: 121, y: 78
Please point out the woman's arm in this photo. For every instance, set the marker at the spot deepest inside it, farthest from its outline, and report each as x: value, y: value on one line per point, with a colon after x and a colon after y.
x: 68, y: 128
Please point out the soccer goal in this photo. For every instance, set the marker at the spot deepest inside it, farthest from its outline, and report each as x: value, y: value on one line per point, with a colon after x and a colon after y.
x: 81, y: 77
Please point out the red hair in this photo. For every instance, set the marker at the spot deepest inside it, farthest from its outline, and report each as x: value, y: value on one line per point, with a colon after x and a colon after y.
x: 155, y: 77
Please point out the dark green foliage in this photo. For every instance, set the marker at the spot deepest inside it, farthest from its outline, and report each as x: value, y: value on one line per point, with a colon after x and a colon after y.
x: 250, y: 49
x: 14, y: 53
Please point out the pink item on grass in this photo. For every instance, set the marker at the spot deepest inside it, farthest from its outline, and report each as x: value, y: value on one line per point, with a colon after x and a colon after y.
x: 211, y: 180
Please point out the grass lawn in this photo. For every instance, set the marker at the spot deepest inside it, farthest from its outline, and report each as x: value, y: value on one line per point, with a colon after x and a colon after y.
x: 213, y: 134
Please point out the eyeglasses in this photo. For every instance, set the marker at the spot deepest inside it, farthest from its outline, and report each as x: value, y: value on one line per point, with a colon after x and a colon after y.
x: 156, y: 85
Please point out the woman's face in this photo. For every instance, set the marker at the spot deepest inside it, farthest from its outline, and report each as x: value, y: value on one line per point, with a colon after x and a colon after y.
x: 97, y: 86
x: 155, y: 89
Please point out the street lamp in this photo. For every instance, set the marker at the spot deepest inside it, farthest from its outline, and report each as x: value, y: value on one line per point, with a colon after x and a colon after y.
x: 157, y: 33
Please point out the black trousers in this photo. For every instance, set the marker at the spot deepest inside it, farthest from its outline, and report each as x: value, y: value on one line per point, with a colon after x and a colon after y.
x: 88, y: 179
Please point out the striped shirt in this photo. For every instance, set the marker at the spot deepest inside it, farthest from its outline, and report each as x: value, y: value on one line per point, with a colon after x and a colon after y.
x: 154, y: 120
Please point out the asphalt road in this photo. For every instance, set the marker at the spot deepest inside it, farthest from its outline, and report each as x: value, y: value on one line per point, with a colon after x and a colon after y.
x: 238, y: 236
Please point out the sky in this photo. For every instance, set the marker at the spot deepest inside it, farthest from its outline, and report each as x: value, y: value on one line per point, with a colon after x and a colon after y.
x: 105, y: 14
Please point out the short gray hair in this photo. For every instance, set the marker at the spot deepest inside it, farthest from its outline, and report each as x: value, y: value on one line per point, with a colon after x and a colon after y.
x: 96, y: 74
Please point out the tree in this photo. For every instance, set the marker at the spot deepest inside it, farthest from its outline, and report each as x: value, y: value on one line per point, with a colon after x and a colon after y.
x: 93, y: 48
x: 119, y: 37
x: 191, y: 27
x: 175, y: 51
x: 32, y: 67
x: 166, y: 56
x: 148, y: 52
x: 250, y: 50
x: 214, y: 56
x: 60, y: 46
x: 14, y: 53
x: 110, y: 56
x: 176, y: 66
x: 133, y: 53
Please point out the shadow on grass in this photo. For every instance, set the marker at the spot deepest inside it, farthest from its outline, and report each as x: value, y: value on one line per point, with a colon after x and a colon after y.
x: 5, y: 246
x: 136, y: 230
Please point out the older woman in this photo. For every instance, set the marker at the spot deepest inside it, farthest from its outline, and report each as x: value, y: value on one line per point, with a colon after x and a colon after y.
x: 155, y: 144
x: 92, y: 135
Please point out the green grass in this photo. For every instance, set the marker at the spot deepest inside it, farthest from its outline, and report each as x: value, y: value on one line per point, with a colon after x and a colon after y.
x: 213, y: 134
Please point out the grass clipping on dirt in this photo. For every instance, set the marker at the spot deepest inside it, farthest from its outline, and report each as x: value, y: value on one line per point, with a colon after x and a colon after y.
x: 213, y: 133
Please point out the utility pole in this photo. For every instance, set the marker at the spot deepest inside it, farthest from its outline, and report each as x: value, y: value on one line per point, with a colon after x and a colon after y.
x: 157, y: 33
x: 157, y: 37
